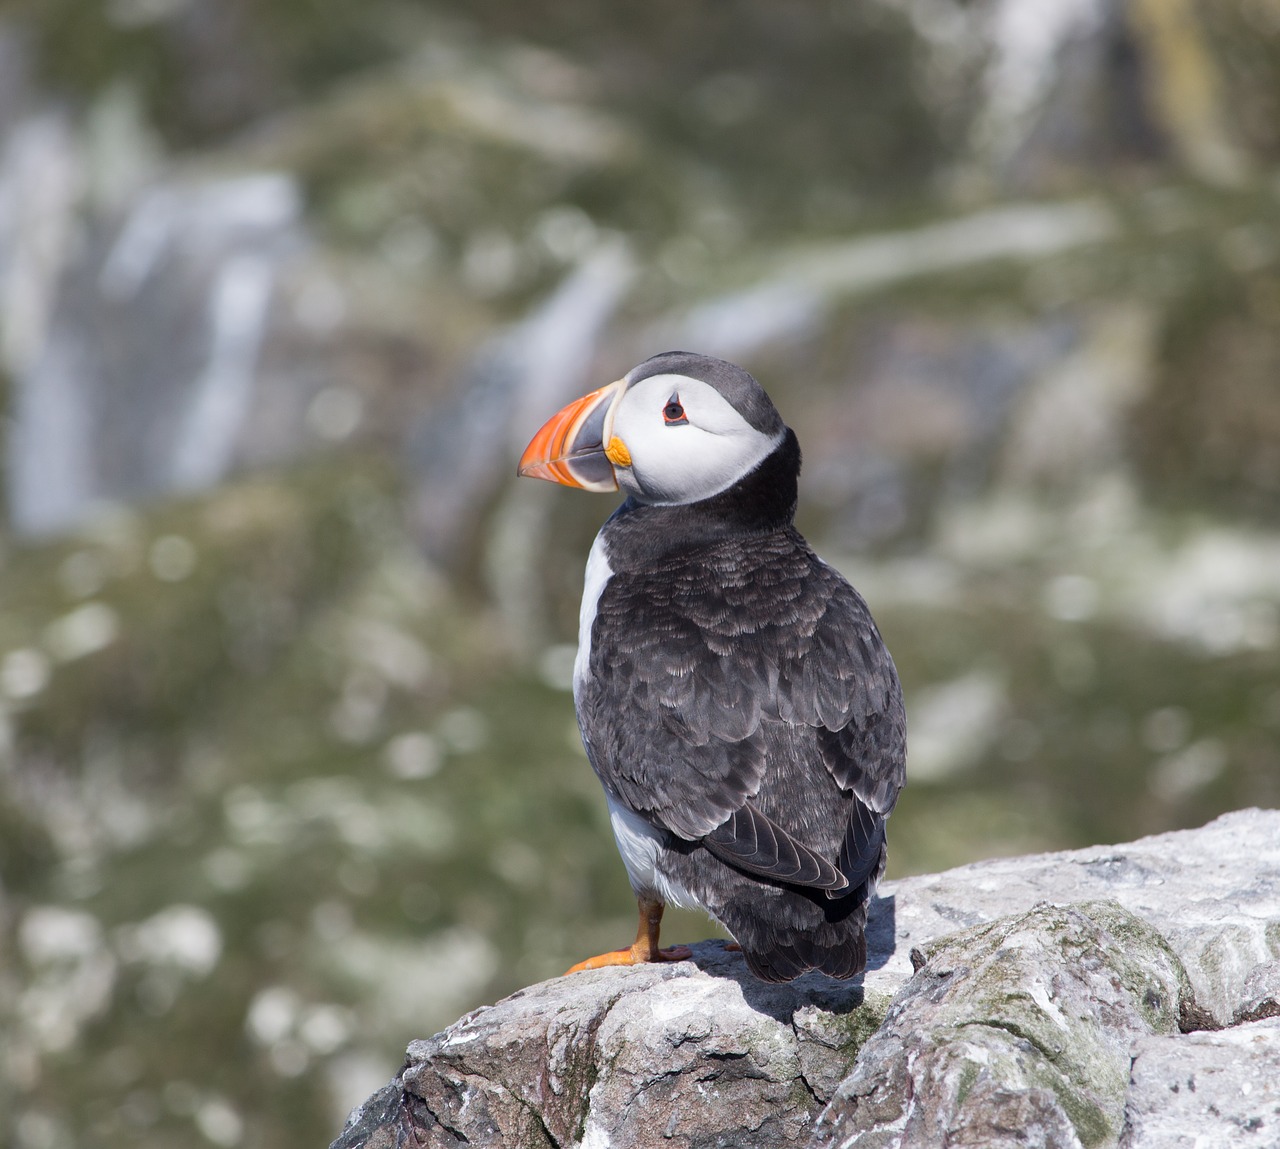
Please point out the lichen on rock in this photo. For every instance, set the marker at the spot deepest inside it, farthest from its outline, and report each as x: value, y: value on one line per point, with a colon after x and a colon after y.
x: 690, y: 1053
x: 1076, y: 1021
x: 1022, y: 1024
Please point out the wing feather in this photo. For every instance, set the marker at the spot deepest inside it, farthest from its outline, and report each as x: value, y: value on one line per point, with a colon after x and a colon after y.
x: 863, y: 851
x: 754, y: 842
x: 702, y: 661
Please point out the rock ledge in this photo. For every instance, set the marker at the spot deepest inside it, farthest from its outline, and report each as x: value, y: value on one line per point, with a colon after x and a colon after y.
x: 1125, y: 995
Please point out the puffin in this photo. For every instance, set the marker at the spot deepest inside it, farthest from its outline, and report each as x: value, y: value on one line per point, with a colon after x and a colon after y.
x: 734, y: 695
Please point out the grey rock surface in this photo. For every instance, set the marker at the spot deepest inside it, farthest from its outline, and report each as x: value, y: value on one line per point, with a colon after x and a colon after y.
x: 1212, y: 893
x: 1206, y: 1090
x: 1049, y: 1000
x: 1014, y: 1032
x: 1261, y: 993
x: 692, y: 1053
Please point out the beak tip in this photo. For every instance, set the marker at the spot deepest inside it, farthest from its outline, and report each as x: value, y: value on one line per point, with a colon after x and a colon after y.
x: 569, y: 447
x: 531, y: 469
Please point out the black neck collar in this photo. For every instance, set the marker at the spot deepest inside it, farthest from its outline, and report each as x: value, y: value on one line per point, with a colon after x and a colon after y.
x: 761, y: 501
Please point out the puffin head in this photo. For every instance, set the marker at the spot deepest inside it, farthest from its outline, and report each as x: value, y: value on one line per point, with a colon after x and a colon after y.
x: 679, y: 428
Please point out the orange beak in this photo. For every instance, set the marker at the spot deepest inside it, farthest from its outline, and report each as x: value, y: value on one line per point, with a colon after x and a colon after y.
x: 570, y: 447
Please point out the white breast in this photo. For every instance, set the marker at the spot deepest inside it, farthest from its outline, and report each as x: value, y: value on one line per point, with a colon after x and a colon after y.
x: 596, y: 579
x: 638, y: 843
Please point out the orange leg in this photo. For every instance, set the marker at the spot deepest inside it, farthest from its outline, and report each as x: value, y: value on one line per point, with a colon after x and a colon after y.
x: 644, y: 948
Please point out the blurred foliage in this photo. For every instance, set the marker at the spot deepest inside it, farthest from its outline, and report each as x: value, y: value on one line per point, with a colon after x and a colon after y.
x: 205, y: 70
x: 257, y: 724
x: 303, y: 735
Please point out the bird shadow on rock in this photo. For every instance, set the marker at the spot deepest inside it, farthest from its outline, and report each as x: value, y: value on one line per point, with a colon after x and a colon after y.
x: 882, y: 931
x: 781, y: 1000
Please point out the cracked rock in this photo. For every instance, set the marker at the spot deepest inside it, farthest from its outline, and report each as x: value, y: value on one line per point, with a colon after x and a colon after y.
x: 1052, y: 1002
x: 1016, y: 1032
x: 1260, y: 995
x: 692, y: 1053
x: 1212, y: 893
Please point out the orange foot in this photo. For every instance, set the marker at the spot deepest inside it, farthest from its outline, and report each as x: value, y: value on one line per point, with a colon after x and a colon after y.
x: 644, y: 948
x: 632, y: 955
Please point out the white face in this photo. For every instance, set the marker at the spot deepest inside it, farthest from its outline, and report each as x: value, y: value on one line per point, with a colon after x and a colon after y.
x: 686, y: 441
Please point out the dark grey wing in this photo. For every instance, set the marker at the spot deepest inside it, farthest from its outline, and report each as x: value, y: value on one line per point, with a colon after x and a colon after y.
x: 754, y: 842
x: 846, y: 686
x: 692, y: 663
x: 671, y: 723
x: 863, y: 849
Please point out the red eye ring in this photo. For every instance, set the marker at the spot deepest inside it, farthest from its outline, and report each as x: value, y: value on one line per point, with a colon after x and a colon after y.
x: 673, y: 413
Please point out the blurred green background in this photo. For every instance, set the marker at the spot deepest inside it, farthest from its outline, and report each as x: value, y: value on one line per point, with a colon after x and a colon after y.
x: 288, y: 768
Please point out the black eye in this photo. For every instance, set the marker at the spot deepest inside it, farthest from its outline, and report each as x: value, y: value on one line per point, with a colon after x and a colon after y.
x: 673, y: 413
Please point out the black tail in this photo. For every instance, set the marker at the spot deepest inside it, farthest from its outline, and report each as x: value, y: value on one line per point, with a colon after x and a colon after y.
x: 797, y: 931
